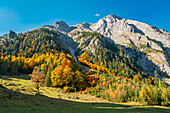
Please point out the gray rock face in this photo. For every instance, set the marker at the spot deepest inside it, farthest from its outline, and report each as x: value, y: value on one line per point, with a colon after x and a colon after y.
x: 61, y: 26
x: 149, y: 46
x: 152, y: 41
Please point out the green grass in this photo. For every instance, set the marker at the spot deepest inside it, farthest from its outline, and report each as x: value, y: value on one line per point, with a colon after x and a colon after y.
x: 16, y: 97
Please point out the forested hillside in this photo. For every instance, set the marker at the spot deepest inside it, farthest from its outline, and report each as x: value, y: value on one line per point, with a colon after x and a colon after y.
x: 45, y: 49
x: 111, y: 56
x: 36, y: 41
x: 113, y: 75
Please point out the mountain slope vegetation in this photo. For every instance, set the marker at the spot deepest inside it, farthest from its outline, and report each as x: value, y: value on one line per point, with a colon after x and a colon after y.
x: 113, y: 69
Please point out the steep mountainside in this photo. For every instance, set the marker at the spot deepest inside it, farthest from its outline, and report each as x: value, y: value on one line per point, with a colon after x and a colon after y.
x: 146, y: 44
x: 100, y: 50
x: 114, y: 59
x: 151, y: 44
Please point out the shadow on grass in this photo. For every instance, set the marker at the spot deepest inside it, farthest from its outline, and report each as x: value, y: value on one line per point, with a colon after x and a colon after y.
x: 21, y: 76
x: 5, y: 78
x: 17, y: 102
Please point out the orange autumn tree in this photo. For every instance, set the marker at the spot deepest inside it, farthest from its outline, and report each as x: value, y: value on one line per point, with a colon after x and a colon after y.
x: 38, y: 79
x: 83, y: 58
x: 31, y: 64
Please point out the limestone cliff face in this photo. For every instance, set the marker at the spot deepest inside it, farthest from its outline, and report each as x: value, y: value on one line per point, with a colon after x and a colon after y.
x: 147, y: 45
x: 152, y: 44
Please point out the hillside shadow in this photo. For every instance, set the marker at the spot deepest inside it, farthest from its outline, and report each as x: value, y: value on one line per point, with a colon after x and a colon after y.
x: 69, y: 41
x: 41, y: 103
x: 150, y: 66
x: 168, y: 56
x: 165, y: 49
x: 136, y: 30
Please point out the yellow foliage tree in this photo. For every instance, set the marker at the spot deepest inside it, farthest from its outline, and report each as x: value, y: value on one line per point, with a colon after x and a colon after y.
x: 61, y: 76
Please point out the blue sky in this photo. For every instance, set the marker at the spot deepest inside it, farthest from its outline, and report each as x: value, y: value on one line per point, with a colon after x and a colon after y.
x: 24, y: 15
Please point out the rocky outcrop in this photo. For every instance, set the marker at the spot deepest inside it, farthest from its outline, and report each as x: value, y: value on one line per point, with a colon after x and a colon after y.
x: 6, y: 39
x: 12, y: 35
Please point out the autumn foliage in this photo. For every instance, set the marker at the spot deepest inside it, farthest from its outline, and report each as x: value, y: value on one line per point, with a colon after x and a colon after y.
x: 38, y: 79
x: 53, y: 65
x: 106, y: 84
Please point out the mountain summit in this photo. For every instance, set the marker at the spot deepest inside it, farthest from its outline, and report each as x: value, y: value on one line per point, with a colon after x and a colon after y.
x: 148, y: 45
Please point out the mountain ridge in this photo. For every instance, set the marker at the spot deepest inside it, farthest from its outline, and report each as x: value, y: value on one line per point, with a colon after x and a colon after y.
x: 111, y: 59
x: 147, y: 45
x: 127, y: 33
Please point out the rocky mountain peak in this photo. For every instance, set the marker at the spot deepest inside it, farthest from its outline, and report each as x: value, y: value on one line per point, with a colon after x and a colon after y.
x: 113, y: 16
x: 60, y: 23
x: 61, y: 26
x: 151, y: 43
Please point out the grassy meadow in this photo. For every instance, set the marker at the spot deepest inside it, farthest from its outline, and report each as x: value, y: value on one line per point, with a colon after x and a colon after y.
x: 17, y: 97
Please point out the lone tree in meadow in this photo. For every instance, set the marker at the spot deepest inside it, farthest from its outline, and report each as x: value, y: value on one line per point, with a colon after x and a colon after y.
x: 38, y: 79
